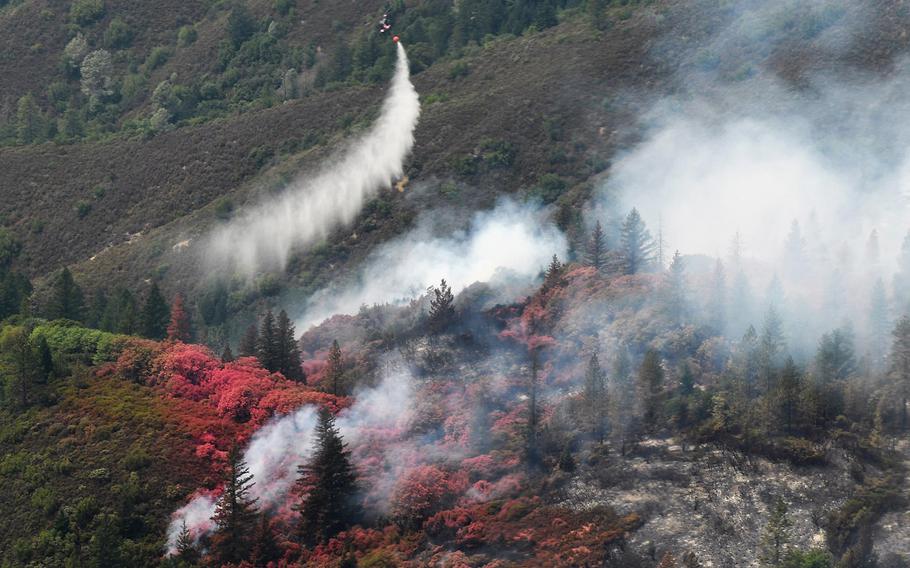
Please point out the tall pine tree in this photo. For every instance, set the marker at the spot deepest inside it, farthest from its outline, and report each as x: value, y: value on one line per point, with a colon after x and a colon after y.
x: 636, y: 243
x: 235, y: 513
x: 267, y: 348
x: 597, y: 248
x: 442, y: 308
x: 265, y: 544
x: 327, y: 486
x: 596, y: 398
x: 878, y: 324
x: 553, y: 276
x: 676, y: 290
x: 288, y: 354
x: 67, y: 301
x: 156, y: 315
x: 900, y: 365
x: 650, y: 390
x: 186, y: 546
x: 775, y: 541
x: 249, y: 343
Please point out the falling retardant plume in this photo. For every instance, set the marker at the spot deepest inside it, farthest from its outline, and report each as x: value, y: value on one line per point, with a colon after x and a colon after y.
x: 513, y: 242
x: 263, y: 237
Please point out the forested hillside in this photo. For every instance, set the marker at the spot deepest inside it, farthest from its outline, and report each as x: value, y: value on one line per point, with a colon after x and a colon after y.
x: 618, y: 283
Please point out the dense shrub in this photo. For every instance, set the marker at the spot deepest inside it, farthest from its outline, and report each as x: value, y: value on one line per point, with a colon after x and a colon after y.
x: 86, y: 12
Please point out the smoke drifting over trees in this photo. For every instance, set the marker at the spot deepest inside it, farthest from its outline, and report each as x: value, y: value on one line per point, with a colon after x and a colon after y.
x: 510, y: 245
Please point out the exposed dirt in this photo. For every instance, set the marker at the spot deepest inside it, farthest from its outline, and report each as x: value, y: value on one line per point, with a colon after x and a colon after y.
x: 710, y: 502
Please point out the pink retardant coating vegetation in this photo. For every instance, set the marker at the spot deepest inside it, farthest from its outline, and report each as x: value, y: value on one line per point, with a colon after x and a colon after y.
x: 219, y: 404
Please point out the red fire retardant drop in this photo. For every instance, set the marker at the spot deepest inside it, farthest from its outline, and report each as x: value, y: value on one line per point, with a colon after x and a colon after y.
x: 395, y: 39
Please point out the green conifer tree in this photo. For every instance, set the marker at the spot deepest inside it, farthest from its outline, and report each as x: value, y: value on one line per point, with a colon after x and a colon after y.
x: 66, y: 301
x: 156, y: 315
x: 327, y: 485
x: 235, y: 513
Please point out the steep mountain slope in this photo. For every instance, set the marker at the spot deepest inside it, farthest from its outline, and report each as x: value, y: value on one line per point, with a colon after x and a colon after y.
x: 616, y: 408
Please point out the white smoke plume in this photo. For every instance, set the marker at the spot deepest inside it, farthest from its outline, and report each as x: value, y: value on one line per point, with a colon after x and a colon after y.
x: 272, y: 456
x: 277, y: 449
x: 264, y: 237
x: 812, y: 178
x: 514, y: 241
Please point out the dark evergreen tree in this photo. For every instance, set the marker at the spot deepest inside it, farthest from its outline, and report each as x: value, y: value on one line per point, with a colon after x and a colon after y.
x: 241, y: 25
x: 227, y: 356
x: 14, y: 290
x: 623, y: 415
x: 650, y: 390
x: 789, y: 389
x: 596, y: 398
x: 834, y: 364
x: 29, y: 127
x: 676, y: 290
x: 335, y: 368
x: 566, y: 461
x: 214, y: 304
x: 327, y: 486
x: 66, y: 300
x: 442, y: 308
x: 44, y: 358
x: 95, y: 315
x: 597, y: 248
x: 900, y: 365
x: 186, y: 550
x: 686, y: 380
x: 265, y: 544
x: 14, y: 286
x: 771, y: 347
x: 156, y: 315
x: 249, y: 343
x: 288, y: 352
x: 545, y: 16
x: 19, y: 354
x: 835, y: 359
x: 268, y: 347
x: 235, y: 513
x: 776, y: 538
x: 104, y: 547
x: 121, y: 314
x: 748, y: 358
x: 185, y: 546
x: 553, y: 276
x: 878, y: 324
x: 636, y: 243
